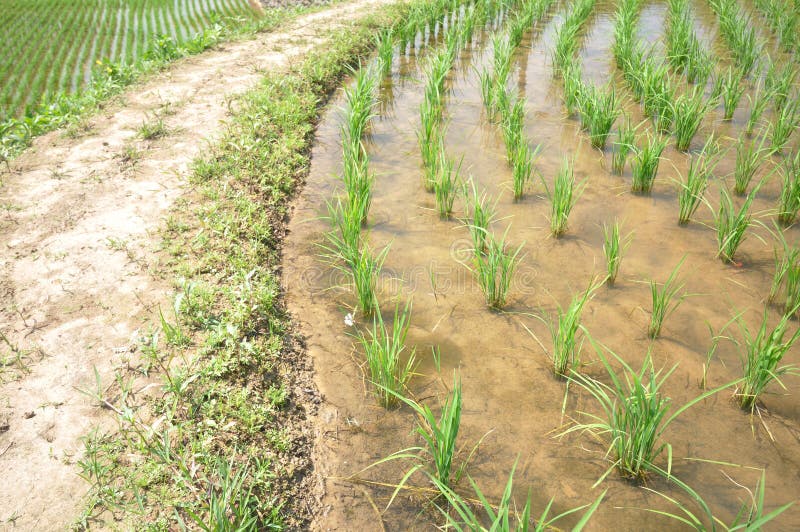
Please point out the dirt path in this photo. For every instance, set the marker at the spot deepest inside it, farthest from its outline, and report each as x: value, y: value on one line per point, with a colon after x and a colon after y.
x: 78, y: 223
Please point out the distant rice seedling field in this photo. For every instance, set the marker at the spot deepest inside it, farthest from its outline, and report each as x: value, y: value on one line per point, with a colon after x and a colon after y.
x: 50, y: 46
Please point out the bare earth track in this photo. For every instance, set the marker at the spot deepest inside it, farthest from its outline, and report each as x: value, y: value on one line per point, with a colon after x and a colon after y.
x: 78, y: 219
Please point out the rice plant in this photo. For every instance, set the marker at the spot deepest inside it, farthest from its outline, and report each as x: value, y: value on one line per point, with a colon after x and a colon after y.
x: 345, y: 238
x: 503, y: 516
x: 564, y: 331
x: 739, y: 32
x: 758, y: 104
x: 761, y: 361
x: 522, y: 167
x: 574, y: 87
x: 692, y: 190
x: 626, y: 137
x: 786, y: 121
x: 732, y: 224
x: 385, y: 45
x: 481, y: 214
x: 563, y: 196
x: 357, y: 179
x: 495, y: 270
x: 385, y: 349
x: 779, y: 83
x: 614, y: 247
x: 645, y: 164
x: 665, y: 300
x: 789, y: 199
x: 364, y: 270
x: 431, y: 143
x: 513, y: 126
x: 634, y: 414
x: 749, y: 157
x: 360, y: 101
x: 599, y: 110
x: 439, y: 436
x: 688, y: 112
x: 732, y: 91
x: 787, y: 271
x: 446, y: 184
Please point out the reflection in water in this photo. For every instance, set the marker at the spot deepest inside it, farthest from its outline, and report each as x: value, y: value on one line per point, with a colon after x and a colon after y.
x: 509, y: 392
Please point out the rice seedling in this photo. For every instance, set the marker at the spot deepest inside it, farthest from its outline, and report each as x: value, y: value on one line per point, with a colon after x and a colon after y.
x: 503, y: 52
x: 789, y: 199
x: 657, y: 92
x: 732, y: 91
x: 599, y: 110
x: 691, y: 191
x: 758, y: 104
x: 512, y: 126
x: 574, y: 88
x: 786, y: 260
x: 357, y: 179
x: 487, y: 90
x: 626, y: 137
x: 786, y: 121
x: 761, y: 361
x: 384, y: 350
x: 482, y: 213
x: 731, y: 224
x: 566, y: 46
x: 737, y: 29
x: 446, y: 185
x: 431, y: 143
x: 385, y: 46
x: 439, y: 437
x: 360, y: 101
x: 345, y: 239
x: 522, y: 167
x: 645, y: 164
x: 563, y: 196
x: 665, y: 300
x: 699, y: 64
x: 749, y: 157
x: 634, y: 416
x: 495, y: 270
x: 459, y: 513
x: 614, y: 247
x: 779, y: 83
x: 688, y: 112
x: 564, y: 329
x: 364, y: 270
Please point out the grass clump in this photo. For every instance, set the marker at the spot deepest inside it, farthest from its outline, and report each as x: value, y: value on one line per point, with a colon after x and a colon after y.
x: 495, y: 268
x: 761, y: 363
x: 384, y: 351
x: 614, y: 247
x: 563, y: 196
x: 665, y: 300
x: 645, y: 164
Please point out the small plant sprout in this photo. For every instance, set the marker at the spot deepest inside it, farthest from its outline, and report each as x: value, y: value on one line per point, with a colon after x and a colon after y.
x: 732, y: 224
x: 749, y: 156
x: 634, y: 414
x: 626, y: 136
x: 691, y: 192
x: 665, y: 300
x: 564, y: 331
x: 384, y: 350
x: 614, y: 247
x: 789, y: 200
x: 761, y: 362
x: 645, y: 164
x: 495, y: 270
x: 563, y: 196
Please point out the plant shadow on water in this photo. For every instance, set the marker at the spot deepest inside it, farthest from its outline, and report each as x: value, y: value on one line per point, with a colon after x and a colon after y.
x: 507, y: 378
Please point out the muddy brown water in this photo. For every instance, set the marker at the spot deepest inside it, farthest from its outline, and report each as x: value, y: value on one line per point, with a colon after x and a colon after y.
x: 511, y: 398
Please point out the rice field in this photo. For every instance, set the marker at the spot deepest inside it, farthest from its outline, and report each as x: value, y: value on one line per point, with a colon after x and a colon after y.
x: 52, y: 46
x: 590, y: 206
